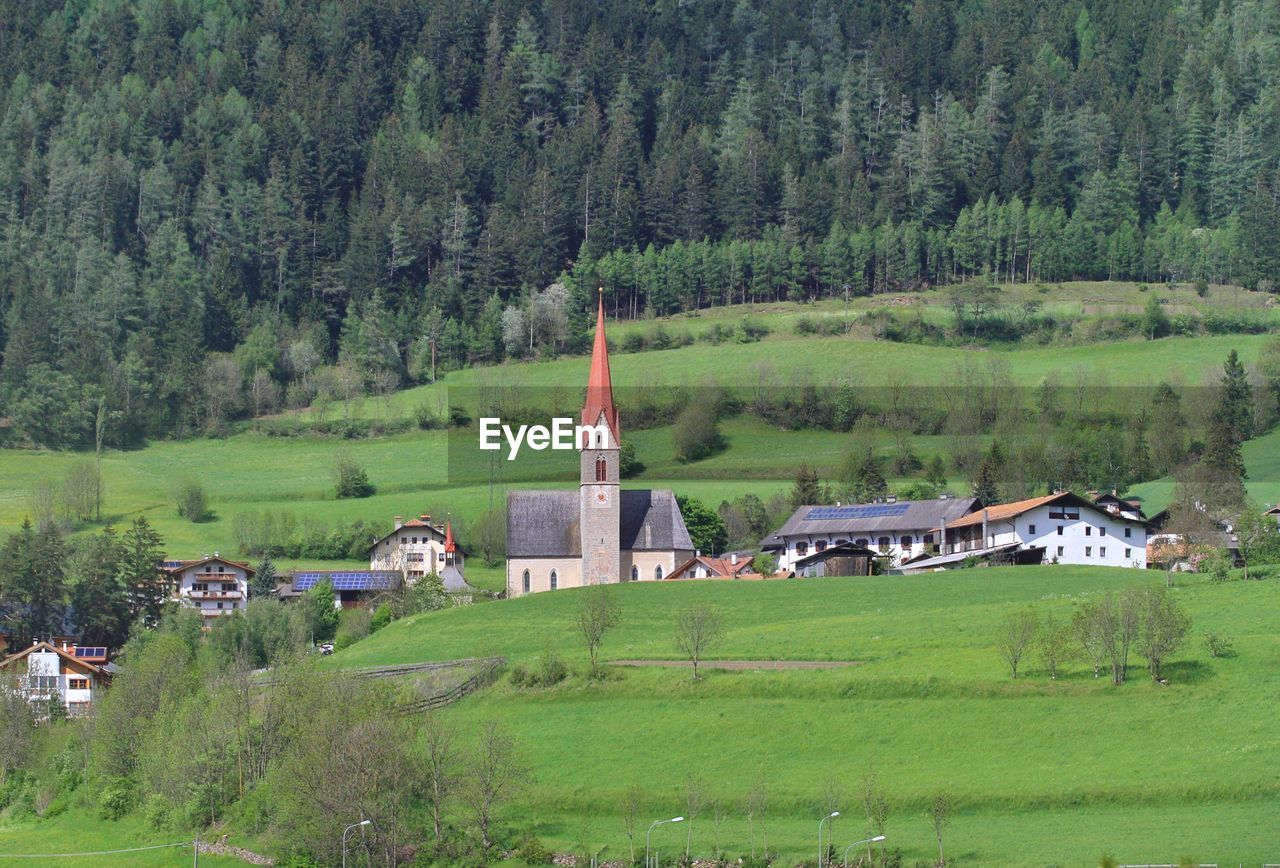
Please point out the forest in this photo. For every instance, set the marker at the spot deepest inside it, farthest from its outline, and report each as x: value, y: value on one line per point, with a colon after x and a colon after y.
x: 212, y: 209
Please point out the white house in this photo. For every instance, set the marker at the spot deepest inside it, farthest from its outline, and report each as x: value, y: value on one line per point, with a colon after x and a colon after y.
x: 214, y: 585
x: 1069, y: 528
x: 898, y: 529
x: 44, y: 672
x: 416, y: 548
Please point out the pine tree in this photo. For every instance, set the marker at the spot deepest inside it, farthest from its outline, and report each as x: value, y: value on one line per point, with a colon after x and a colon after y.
x: 806, y: 489
x: 147, y: 586
x: 263, y: 583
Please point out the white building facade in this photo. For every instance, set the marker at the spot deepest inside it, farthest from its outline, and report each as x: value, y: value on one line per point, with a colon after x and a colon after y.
x: 1070, y: 529
x: 44, y: 673
x: 416, y: 548
x: 896, y: 529
x: 213, y: 585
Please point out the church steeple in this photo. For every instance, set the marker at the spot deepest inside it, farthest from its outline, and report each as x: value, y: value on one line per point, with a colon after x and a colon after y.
x: 599, y: 385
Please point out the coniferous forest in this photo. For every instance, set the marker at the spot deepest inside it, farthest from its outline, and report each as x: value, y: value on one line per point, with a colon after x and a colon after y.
x: 216, y: 204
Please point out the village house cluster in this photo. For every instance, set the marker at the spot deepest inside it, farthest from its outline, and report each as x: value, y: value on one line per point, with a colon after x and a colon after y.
x: 601, y: 534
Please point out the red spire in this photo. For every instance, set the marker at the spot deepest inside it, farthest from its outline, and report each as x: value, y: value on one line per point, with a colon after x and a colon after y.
x: 599, y: 385
x: 449, y: 544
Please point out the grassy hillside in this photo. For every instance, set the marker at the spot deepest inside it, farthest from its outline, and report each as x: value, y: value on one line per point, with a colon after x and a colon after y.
x: 1042, y: 771
x: 418, y: 472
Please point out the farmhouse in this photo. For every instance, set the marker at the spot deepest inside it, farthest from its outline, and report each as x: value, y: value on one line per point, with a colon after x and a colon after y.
x: 730, y: 566
x: 72, y: 676
x: 417, y: 547
x: 1069, y: 528
x: 598, y: 534
x: 896, y: 529
x: 214, y: 585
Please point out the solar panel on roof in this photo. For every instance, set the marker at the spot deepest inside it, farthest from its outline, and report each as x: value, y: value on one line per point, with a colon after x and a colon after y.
x: 828, y: 513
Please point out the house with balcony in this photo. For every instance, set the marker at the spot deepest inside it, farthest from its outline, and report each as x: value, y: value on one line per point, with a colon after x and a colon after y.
x: 1059, y: 528
x: 213, y: 585
x: 43, y: 672
x: 897, y: 530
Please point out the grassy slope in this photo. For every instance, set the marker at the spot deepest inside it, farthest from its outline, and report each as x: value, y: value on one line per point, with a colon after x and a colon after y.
x: 412, y: 471
x: 81, y: 831
x: 1043, y: 771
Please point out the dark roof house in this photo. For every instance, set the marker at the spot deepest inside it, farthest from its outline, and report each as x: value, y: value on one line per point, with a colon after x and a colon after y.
x: 871, y: 519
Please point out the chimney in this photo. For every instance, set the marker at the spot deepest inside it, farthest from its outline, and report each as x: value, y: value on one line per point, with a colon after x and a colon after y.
x: 426, y: 517
x: 399, y: 521
x: 217, y: 554
x: 893, y: 498
x: 733, y: 559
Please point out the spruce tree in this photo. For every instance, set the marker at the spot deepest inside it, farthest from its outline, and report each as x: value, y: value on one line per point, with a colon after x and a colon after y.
x: 146, y: 585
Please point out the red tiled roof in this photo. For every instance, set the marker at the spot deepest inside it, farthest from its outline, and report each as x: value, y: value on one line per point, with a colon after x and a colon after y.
x: 1010, y: 510
x: 716, y: 566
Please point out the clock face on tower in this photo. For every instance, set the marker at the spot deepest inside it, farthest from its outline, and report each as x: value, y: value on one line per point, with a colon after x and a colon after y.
x: 602, y: 497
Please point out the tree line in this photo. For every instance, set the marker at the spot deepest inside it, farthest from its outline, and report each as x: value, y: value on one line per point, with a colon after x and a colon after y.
x: 212, y: 213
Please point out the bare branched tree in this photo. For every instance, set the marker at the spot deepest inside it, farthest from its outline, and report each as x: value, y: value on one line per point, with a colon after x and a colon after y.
x: 598, y: 613
x: 698, y: 628
x: 1016, y: 635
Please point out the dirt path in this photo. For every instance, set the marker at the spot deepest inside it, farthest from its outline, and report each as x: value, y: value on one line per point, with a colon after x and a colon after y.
x: 743, y: 664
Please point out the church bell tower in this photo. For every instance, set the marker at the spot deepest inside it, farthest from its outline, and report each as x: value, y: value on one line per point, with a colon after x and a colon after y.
x: 600, y: 509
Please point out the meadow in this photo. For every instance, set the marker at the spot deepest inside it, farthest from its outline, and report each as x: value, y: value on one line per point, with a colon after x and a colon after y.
x: 417, y: 471
x: 81, y: 831
x: 1041, y: 771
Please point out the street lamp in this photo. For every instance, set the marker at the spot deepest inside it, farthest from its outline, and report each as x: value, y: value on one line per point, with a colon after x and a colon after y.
x: 830, y: 816
x: 856, y: 843
x: 655, y: 825
x: 344, y: 838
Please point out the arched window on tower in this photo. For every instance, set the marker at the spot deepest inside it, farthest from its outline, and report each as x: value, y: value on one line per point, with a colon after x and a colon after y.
x: 554, y: 580
x: 657, y: 571
x: 525, y: 581
x: 635, y: 573
x: 602, y: 469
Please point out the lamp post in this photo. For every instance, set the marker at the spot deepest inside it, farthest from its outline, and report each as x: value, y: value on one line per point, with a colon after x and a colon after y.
x: 344, y: 838
x: 830, y: 816
x: 655, y: 825
x: 856, y: 843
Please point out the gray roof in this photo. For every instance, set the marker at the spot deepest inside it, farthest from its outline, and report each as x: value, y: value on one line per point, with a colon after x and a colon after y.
x: 545, y: 524
x: 918, y: 515
x: 451, y: 578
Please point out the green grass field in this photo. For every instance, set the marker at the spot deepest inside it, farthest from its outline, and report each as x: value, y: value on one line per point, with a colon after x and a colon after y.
x: 80, y: 831
x: 418, y: 472
x: 1043, y: 772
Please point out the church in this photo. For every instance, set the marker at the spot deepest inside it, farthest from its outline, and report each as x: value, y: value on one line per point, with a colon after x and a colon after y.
x: 598, y: 534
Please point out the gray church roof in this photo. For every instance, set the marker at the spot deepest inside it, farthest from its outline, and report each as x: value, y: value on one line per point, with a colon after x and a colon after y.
x: 869, y: 518
x: 545, y: 524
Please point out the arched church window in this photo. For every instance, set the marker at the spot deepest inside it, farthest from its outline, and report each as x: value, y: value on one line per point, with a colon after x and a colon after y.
x: 657, y: 571
x: 554, y: 580
x: 525, y: 581
x: 635, y: 573
x: 602, y: 470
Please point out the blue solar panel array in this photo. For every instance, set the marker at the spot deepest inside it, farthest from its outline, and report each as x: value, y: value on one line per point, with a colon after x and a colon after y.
x: 90, y: 651
x: 875, y: 510
x: 368, y: 580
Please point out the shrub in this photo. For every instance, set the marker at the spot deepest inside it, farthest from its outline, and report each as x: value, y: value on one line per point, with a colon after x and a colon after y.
x: 750, y: 331
x: 696, y: 435
x: 381, y: 618
x: 155, y: 812
x: 551, y: 669
x: 115, y: 799
x: 349, y: 477
x: 531, y: 851
x: 1219, y: 645
x: 192, y: 503
x: 633, y: 342
x: 424, y: 416
x: 353, y: 625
